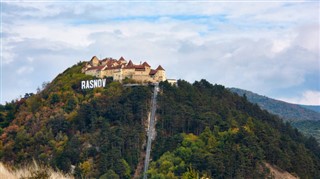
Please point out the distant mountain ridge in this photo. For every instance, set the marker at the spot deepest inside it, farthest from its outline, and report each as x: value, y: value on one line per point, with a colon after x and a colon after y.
x: 287, y: 111
x: 312, y: 107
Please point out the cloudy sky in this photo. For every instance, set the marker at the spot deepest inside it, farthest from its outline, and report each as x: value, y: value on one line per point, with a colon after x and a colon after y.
x: 270, y: 47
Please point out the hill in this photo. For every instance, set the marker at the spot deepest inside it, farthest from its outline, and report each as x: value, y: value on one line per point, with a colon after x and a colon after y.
x: 90, y: 132
x: 305, y: 118
x: 312, y: 107
x: 202, y: 130
x: 308, y: 128
x: 287, y: 111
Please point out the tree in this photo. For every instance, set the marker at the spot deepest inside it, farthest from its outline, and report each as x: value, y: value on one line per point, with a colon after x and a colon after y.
x: 55, y: 99
x: 122, y: 168
x: 109, y: 175
x: 86, y: 167
x: 191, y: 174
x: 71, y: 104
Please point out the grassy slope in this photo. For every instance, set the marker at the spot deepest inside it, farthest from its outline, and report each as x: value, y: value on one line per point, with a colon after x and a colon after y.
x: 31, y: 171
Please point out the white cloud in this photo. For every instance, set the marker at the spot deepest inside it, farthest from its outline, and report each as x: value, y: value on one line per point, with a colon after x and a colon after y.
x: 235, y: 44
x: 30, y: 59
x: 54, y: 32
x: 280, y: 45
x: 24, y: 70
x: 7, y: 56
x: 306, y: 98
x: 308, y: 37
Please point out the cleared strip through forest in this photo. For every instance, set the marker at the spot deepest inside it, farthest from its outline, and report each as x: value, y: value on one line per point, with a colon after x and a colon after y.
x: 151, y: 129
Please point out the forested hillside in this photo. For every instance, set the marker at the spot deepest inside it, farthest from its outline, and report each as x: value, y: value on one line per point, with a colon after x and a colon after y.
x: 93, y: 133
x: 202, y: 130
x: 304, y: 118
x: 205, y: 130
x: 312, y: 107
x: 308, y: 128
x: 287, y: 111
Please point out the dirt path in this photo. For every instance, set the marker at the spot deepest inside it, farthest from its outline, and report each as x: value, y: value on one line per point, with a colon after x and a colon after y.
x: 277, y: 173
x: 137, y: 172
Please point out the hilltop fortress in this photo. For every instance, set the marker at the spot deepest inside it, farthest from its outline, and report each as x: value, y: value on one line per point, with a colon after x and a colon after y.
x: 121, y: 69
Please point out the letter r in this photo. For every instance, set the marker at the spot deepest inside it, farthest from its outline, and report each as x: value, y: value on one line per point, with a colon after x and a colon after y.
x: 83, y: 84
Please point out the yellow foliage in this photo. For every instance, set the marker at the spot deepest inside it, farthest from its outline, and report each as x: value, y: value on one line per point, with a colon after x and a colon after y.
x: 71, y: 115
x: 98, y: 90
x: 247, y: 128
x: 171, y: 175
x: 86, y: 167
x: 234, y: 130
x: 166, y: 166
x: 191, y: 137
x: 249, y: 125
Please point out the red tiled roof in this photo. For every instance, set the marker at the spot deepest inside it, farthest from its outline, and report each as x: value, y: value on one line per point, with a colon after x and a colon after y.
x: 128, y: 67
x: 108, y: 58
x: 160, y: 68
x: 112, y: 68
x: 130, y: 64
x: 152, y: 72
x: 111, y: 62
x: 94, y: 57
x: 122, y: 59
x: 139, y: 68
x: 146, y: 64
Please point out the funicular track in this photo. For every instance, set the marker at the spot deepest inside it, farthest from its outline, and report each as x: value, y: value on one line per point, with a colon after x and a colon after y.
x: 151, y: 129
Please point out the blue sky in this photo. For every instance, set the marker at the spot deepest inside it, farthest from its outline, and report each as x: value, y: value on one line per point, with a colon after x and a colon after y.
x: 268, y: 47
